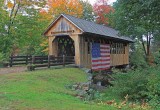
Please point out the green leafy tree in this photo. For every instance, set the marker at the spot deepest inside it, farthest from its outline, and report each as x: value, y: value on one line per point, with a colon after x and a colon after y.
x: 139, y: 19
x: 137, y: 59
x: 29, y: 30
x: 88, y: 13
x: 21, y: 26
x: 3, y: 29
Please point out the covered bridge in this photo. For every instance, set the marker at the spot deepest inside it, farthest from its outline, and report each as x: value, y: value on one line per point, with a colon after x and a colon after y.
x: 71, y: 36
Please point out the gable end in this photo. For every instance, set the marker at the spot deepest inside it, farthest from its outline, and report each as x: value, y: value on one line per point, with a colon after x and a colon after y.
x: 62, y: 25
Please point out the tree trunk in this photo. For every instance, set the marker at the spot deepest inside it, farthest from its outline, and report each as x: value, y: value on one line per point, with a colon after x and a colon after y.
x: 145, y: 52
x: 149, y: 57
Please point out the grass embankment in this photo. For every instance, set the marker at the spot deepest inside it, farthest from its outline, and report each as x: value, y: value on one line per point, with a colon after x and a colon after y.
x: 43, y: 90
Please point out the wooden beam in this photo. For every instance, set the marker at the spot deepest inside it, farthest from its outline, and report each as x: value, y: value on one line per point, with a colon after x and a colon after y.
x: 76, y: 39
x: 50, y: 45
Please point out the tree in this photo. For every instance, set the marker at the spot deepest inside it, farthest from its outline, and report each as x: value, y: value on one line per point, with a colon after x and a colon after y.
x: 3, y: 29
x: 17, y: 17
x: 139, y: 19
x: 102, y: 10
x: 28, y: 32
x: 88, y: 13
x: 57, y: 7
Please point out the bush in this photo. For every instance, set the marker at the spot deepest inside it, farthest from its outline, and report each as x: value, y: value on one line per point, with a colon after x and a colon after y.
x: 1, y: 57
x: 139, y: 85
x: 157, y: 57
x: 137, y: 59
x: 153, y: 87
x: 131, y: 84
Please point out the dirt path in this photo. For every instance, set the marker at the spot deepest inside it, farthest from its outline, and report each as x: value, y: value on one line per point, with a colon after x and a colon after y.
x: 16, y: 69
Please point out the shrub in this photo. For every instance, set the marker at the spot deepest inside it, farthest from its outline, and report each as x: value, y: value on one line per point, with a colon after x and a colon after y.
x: 132, y: 84
x: 1, y: 57
x: 157, y: 57
x: 139, y: 85
x: 137, y: 58
x: 153, y: 87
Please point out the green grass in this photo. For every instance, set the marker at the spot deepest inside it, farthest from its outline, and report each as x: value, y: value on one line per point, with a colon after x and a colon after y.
x: 43, y: 90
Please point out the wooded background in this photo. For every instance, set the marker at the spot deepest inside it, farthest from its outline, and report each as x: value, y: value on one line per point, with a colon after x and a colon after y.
x: 23, y: 22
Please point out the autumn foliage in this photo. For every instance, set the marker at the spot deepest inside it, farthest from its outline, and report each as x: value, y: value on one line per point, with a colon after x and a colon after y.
x: 102, y: 9
x: 56, y: 7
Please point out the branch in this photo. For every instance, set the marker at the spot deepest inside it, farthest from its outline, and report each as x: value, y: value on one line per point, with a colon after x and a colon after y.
x: 16, y: 11
x: 149, y: 42
x: 10, y: 17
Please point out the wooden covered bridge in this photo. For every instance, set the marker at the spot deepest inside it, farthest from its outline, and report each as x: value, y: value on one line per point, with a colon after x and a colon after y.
x: 71, y: 36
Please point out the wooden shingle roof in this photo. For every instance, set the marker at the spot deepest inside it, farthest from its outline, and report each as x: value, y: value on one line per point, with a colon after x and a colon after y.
x: 93, y: 28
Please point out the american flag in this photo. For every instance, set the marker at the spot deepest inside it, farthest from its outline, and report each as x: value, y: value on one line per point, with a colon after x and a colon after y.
x: 100, y: 56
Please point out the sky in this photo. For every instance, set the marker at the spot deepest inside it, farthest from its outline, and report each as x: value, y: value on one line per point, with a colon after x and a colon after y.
x: 93, y: 1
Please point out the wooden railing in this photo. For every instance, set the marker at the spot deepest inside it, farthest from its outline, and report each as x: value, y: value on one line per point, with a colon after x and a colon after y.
x: 20, y: 60
x: 41, y: 61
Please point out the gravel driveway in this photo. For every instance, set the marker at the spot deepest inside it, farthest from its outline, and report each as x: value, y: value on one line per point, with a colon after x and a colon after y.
x: 16, y: 69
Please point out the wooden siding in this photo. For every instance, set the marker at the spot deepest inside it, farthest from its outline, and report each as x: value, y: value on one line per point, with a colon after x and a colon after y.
x: 116, y: 59
x: 62, y: 26
x: 50, y: 45
x: 85, y: 56
x: 76, y: 39
x: 82, y: 57
x: 120, y: 59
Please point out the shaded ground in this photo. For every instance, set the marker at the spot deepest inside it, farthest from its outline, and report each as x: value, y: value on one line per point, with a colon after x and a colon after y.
x: 16, y: 69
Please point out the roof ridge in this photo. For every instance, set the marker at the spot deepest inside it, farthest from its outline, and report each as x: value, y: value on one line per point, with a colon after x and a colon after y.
x: 87, y: 21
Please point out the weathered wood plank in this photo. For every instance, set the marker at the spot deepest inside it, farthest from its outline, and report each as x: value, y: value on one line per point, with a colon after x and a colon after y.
x: 62, y: 26
x: 76, y: 39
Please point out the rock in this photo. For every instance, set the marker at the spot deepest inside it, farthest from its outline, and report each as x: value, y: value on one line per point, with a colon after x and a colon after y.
x: 86, y: 88
x: 89, y: 78
x: 81, y: 92
x: 88, y: 71
x: 98, y: 83
x: 74, y: 87
x: 103, y: 78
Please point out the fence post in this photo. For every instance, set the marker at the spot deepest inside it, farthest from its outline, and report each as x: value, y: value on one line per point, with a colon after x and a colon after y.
x: 63, y: 60
x: 33, y: 59
x: 41, y: 59
x: 48, y: 61
x: 26, y: 59
x: 33, y: 62
x: 11, y: 60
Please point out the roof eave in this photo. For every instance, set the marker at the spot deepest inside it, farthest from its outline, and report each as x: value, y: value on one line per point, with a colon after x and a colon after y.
x: 125, y: 40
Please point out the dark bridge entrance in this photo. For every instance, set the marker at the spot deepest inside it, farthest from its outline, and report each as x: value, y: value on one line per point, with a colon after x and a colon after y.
x: 65, y: 46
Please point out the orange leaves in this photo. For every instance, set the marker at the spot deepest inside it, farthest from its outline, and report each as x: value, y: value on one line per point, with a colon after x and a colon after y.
x: 10, y: 4
x: 44, y: 15
x: 102, y: 9
x: 72, y: 7
x: 126, y: 104
x: 44, y: 45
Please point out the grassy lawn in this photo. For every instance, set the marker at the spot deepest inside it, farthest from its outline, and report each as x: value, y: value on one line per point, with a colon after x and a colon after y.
x: 43, y: 90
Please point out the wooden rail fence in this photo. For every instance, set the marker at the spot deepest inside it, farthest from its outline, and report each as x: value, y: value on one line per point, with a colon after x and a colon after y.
x: 41, y: 61
x: 20, y: 60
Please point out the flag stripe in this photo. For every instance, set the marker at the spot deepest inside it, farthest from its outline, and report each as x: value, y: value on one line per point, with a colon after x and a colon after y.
x: 100, y: 56
x: 105, y: 60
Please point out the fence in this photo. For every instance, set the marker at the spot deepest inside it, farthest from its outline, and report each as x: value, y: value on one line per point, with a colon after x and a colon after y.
x: 41, y: 61
x: 20, y: 60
